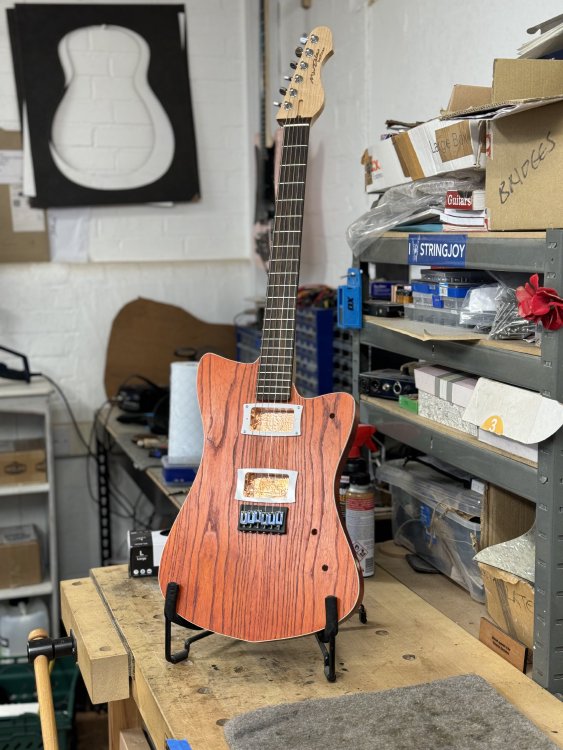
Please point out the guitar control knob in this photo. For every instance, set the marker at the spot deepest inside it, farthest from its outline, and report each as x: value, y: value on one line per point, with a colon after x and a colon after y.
x: 298, y: 51
x: 283, y: 91
x: 293, y: 65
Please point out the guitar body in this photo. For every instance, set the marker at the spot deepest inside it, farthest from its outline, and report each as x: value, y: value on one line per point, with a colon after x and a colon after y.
x: 258, y: 586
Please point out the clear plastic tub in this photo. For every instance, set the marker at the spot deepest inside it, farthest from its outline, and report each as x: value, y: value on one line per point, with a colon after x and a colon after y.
x: 437, y: 518
x: 439, y: 316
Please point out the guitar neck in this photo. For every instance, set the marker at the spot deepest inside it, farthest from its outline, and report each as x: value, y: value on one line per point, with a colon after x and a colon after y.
x: 275, y: 373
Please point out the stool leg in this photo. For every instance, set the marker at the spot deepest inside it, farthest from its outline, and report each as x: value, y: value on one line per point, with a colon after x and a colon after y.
x: 45, y: 697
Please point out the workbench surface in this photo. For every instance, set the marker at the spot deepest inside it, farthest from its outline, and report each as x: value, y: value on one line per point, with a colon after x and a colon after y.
x: 405, y: 641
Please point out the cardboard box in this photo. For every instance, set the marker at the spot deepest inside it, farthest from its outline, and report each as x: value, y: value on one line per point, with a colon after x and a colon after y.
x: 441, y: 146
x: 510, y: 602
x: 145, y: 552
x: 526, y: 79
x: 525, y: 163
x: 446, y: 384
x: 524, y: 169
x: 444, y: 412
x: 22, y: 462
x: 504, y: 515
x: 464, y: 97
x: 383, y: 168
x: 521, y: 418
x: 20, y: 557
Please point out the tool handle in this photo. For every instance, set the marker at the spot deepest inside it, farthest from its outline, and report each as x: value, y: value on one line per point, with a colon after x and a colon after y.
x: 45, y: 696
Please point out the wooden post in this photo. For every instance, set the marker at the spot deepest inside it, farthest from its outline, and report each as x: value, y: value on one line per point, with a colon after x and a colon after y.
x: 45, y: 696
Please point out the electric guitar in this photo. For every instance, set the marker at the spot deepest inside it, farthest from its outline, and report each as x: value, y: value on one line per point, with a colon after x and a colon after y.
x: 258, y: 543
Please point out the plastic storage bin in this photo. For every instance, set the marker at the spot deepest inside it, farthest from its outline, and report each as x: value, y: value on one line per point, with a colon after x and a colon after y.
x: 17, y: 685
x: 441, y: 317
x: 438, y: 519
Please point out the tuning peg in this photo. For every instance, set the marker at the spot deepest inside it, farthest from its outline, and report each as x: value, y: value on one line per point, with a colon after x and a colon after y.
x: 298, y: 51
x: 303, y: 39
x: 287, y: 78
x: 276, y: 104
x: 293, y: 64
x: 283, y: 91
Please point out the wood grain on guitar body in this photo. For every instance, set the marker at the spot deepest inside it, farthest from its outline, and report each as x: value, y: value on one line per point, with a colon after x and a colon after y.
x: 258, y: 544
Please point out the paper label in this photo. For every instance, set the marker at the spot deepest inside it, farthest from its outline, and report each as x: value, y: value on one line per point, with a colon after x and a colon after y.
x: 494, y: 424
x: 24, y: 217
x: 11, y: 166
x: 454, y: 141
x: 437, y: 250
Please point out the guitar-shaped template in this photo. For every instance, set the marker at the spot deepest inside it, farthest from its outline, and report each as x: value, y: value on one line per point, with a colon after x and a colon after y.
x: 258, y: 543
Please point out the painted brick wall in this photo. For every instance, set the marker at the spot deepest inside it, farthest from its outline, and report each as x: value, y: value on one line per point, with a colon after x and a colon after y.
x: 60, y: 314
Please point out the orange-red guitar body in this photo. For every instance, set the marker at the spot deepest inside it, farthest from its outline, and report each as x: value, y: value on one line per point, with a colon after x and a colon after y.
x: 261, y: 586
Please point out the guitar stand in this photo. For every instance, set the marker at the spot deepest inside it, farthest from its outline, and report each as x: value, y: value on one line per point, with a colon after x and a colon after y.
x: 325, y: 636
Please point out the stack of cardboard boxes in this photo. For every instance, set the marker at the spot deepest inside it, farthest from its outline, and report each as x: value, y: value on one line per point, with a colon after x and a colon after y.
x: 513, y: 130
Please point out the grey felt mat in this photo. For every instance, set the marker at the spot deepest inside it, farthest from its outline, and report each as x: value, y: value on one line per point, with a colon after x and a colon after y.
x: 458, y: 713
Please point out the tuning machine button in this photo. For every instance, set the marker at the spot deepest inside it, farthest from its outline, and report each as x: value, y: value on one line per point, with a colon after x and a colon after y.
x: 283, y: 90
x: 276, y: 104
x: 287, y: 78
x: 298, y: 51
x: 293, y: 64
x: 303, y: 39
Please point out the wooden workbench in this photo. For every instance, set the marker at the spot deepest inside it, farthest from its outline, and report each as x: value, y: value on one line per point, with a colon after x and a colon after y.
x: 406, y: 641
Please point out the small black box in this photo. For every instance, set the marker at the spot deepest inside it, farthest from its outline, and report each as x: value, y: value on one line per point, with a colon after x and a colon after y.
x: 145, y: 551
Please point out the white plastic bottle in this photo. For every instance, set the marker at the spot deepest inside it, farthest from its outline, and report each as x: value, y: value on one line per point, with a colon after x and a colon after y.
x: 17, y: 620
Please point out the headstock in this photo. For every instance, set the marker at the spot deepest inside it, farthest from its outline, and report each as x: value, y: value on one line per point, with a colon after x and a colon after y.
x: 304, y: 96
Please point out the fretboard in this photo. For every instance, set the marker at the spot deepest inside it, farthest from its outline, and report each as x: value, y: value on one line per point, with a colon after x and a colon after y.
x: 275, y: 372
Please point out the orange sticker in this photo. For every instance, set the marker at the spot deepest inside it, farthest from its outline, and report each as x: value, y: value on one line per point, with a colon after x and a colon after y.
x: 494, y: 424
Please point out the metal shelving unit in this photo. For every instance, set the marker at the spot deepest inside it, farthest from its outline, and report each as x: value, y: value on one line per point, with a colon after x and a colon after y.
x: 25, y: 412
x: 511, y: 252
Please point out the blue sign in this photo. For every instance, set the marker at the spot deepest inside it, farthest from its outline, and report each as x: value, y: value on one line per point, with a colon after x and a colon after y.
x: 437, y: 250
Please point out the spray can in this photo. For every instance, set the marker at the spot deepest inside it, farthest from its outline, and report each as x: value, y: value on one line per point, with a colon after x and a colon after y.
x: 360, y: 520
x: 360, y: 499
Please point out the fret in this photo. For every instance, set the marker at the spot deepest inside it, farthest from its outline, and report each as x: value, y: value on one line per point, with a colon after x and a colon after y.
x: 284, y: 260
x: 295, y: 125
x: 289, y: 166
x: 281, y: 273
x: 289, y: 216
x: 289, y: 231
x: 297, y: 182
x: 284, y: 200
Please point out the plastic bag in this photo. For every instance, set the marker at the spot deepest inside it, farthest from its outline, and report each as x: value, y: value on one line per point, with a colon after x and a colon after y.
x: 507, y: 323
x: 479, y: 307
x: 407, y: 203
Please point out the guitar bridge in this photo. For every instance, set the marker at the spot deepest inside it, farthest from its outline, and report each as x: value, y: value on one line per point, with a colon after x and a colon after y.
x: 272, y: 420
x: 262, y: 519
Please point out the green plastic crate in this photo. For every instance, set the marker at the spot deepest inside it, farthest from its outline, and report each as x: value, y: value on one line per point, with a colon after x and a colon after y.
x: 17, y: 685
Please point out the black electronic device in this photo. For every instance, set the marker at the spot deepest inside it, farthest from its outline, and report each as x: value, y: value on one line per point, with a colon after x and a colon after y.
x: 386, y: 384
x: 383, y: 309
x: 10, y: 373
x: 140, y: 398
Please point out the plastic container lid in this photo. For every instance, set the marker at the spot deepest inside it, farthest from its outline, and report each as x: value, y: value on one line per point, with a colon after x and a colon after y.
x: 361, y: 478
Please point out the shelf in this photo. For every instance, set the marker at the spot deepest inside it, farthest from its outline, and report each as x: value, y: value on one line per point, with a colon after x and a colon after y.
x: 22, y: 592
x: 487, y: 251
x: 23, y: 489
x: 454, y: 447
x: 509, y: 361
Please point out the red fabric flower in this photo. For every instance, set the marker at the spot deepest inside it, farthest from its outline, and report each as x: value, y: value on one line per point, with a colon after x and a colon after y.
x: 540, y: 304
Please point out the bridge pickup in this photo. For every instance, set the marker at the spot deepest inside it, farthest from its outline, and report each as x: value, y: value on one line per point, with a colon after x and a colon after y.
x: 262, y: 519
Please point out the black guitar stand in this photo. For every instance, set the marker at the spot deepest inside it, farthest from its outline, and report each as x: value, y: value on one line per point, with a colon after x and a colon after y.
x: 325, y: 636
